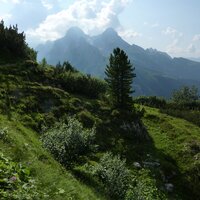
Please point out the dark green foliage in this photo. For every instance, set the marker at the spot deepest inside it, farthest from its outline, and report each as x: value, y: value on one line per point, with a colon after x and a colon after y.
x: 44, y: 62
x: 69, y: 81
x: 13, y: 45
x: 86, y: 118
x: 81, y: 84
x: 8, y: 102
x: 144, y: 187
x: 4, y: 135
x: 68, y: 67
x: 65, y: 67
x: 187, y: 114
x: 113, y: 173
x: 151, y: 101
x: 5, y: 100
x: 185, y: 95
x: 67, y: 142
x: 120, y: 76
x: 185, y: 104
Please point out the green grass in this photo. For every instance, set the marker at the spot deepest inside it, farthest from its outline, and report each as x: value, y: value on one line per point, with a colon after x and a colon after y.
x: 173, y: 142
x: 23, y: 146
x: 171, y: 134
x: 179, y: 140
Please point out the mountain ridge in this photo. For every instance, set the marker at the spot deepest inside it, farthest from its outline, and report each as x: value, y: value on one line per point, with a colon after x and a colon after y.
x: 90, y: 54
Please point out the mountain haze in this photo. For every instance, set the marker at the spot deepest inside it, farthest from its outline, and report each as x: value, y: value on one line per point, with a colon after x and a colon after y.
x: 157, y: 72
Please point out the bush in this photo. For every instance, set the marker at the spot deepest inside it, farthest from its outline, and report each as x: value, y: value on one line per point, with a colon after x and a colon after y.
x: 114, y: 175
x: 144, y: 188
x: 86, y: 118
x: 4, y: 135
x: 185, y: 95
x: 151, y: 101
x: 189, y: 115
x: 68, y: 141
x: 27, y: 120
x: 75, y: 82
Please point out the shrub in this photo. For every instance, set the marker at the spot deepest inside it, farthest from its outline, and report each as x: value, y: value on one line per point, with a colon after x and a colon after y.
x: 144, y: 187
x: 68, y: 141
x: 86, y: 118
x: 75, y: 82
x: 27, y: 120
x: 4, y: 135
x: 49, y: 119
x: 151, y: 101
x: 185, y: 94
x: 189, y: 115
x: 114, y: 175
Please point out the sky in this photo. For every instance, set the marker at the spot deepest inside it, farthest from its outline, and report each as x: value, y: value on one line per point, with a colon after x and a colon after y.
x: 172, y: 26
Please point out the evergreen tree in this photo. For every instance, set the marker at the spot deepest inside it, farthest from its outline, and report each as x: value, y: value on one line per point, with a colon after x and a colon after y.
x: 120, y: 76
x: 68, y: 67
x: 44, y: 63
x: 13, y: 44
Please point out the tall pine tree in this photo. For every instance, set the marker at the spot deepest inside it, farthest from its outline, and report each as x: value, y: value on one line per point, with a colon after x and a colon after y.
x: 120, y: 74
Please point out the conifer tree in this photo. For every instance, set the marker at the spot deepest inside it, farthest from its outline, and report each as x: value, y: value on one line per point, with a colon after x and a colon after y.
x: 120, y: 74
x: 13, y: 45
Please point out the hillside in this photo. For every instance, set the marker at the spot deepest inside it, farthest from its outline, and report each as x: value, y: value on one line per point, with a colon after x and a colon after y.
x: 163, y: 162
x: 179, y: 140
x: 23, y: 146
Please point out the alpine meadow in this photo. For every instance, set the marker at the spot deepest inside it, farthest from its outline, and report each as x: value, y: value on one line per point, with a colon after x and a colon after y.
x: 89, y: 110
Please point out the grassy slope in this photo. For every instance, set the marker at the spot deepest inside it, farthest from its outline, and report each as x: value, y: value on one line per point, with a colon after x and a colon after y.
x: 25, y: 147
x: 179, y: 140
x: 174, y: 142
x: 171, y: 137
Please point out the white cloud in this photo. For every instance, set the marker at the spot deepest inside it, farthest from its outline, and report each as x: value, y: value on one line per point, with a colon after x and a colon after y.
x: 5, y: 16
x: 174, y: 48
x: 93, y: 16
x: 129, y: 35
x: 10, y: 1
x: 196, y: 38
x: 48, y: 5
x: 177, y: 46
x: 178, y: 49
x: 170, y: 31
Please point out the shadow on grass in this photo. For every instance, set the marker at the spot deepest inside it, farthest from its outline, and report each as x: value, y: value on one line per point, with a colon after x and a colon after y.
x: 90, y: 181
x: 111, y: 138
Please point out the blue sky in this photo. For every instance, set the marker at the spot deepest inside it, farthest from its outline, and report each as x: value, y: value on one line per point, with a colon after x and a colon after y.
x: 172, y: 26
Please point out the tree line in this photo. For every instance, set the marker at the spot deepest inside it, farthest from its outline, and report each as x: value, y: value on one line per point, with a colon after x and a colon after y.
x: 13, y: 44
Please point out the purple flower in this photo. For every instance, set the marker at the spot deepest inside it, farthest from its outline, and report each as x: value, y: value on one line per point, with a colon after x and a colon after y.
x: 13, y: 179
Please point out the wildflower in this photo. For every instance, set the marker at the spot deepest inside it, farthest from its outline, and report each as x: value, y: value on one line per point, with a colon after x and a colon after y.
x: 13, y: 179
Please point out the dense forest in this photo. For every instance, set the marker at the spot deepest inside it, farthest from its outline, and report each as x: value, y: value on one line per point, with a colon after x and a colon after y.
x: 68, y: 135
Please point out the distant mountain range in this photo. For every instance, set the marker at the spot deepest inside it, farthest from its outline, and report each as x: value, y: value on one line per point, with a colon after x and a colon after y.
x: 157, y: 73
x: 195, y: 59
